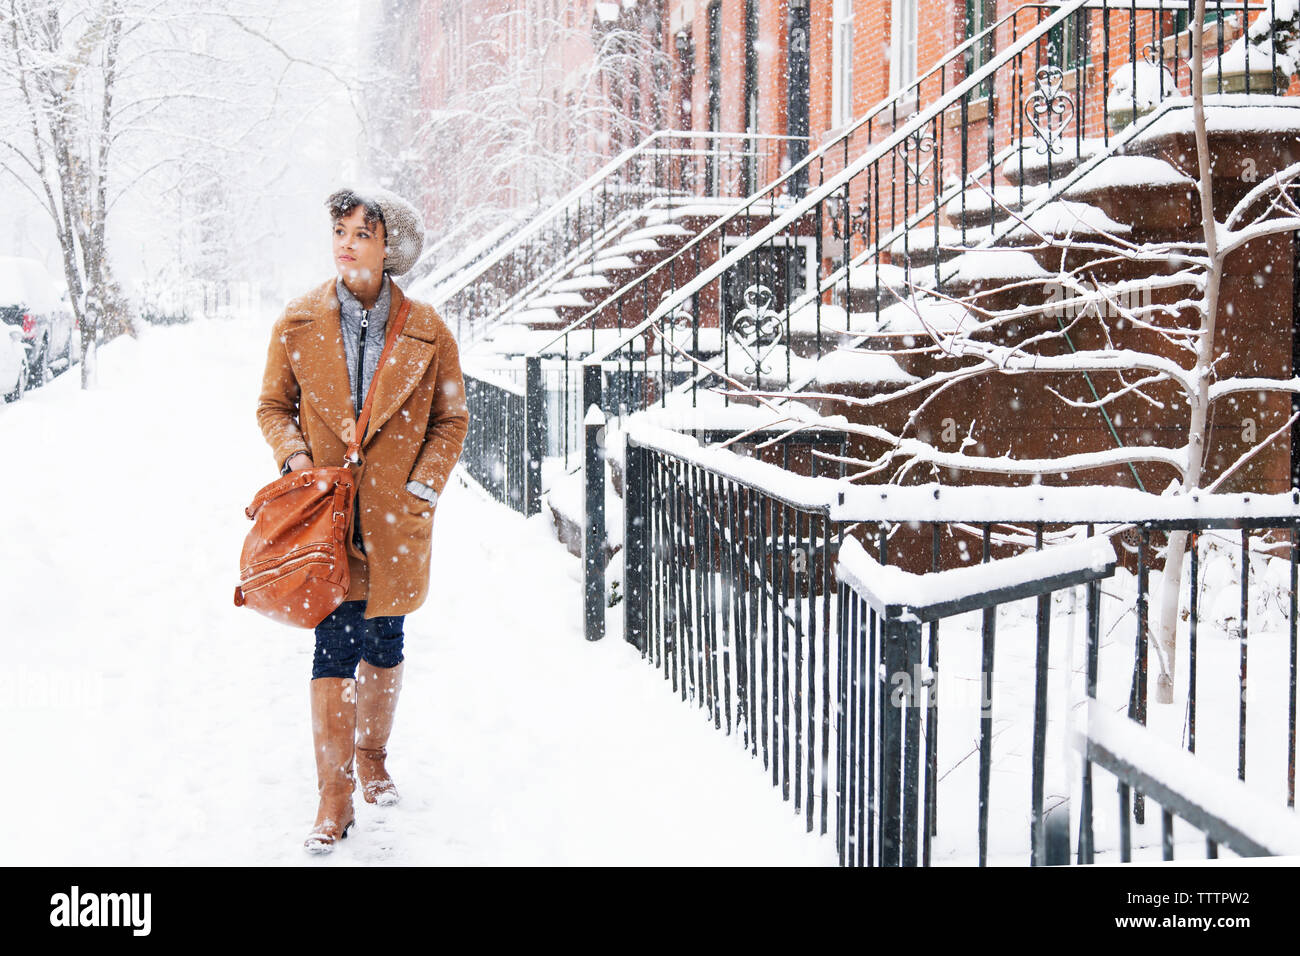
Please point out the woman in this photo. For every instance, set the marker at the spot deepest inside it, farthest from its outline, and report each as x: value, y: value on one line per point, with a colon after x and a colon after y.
x: 321, y: 364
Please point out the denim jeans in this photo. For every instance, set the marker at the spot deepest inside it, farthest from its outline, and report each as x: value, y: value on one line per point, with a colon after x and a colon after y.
x: 345, y: 637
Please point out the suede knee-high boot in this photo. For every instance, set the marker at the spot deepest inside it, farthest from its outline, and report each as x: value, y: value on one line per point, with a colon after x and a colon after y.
x: 333, y: 725
x: 377, y: 690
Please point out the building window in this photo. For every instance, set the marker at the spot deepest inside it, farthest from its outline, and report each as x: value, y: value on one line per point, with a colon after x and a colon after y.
x: 714, y: 41
x: 902, y: 44
x: 1069, y: 43
x: 842, y: 63
x: 751, y: 94
x: 980, y: 15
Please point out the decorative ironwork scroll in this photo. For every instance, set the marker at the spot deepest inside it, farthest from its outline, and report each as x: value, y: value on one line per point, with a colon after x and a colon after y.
x: 913, y: 147
x: 756, y: 329
x: 1048, y: 109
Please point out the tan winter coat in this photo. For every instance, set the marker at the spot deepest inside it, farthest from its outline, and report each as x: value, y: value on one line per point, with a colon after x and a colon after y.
x: 418, y: 421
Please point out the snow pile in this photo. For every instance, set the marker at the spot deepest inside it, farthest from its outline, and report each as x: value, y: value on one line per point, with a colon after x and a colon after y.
x: 1066, y: 217
x: 1128, y: 172
x: 885, y: 585
x: 976, y: 201
x: 921, y: 313
x: 860, y: 366
x: 878, y: 274
x: 1139, y: 86
x: 995, y: 265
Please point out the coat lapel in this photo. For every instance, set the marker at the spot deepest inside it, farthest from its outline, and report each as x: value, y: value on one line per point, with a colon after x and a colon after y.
x: 315, y: 346
x: 406, y: 365
x: 318, y: 358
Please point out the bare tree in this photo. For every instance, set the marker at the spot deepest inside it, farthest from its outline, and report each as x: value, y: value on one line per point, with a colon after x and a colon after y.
x: 530, y: 121
x: 177, y: 106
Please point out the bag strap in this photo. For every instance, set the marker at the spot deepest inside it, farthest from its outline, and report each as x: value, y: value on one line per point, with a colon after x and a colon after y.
x: 363, y: 420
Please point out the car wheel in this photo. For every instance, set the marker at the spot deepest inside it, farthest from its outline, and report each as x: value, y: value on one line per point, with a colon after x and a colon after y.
x: 21, y: 385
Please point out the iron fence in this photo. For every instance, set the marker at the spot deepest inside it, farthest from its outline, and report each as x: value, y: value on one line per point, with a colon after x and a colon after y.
x: 738, y: 592
x: 506, y: 435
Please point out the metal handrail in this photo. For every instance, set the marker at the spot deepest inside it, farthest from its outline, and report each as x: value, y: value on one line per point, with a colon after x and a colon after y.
x: 590, y: 184
x: 769, y: 191
x: 915, y: 124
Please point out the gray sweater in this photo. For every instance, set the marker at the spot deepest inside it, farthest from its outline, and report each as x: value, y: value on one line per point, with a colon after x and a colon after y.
x: 350, y: 316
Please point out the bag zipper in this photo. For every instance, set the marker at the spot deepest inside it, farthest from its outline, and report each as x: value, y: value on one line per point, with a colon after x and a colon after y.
x: 288, y: 567
x: 258, y: 567
x: 361, y: 356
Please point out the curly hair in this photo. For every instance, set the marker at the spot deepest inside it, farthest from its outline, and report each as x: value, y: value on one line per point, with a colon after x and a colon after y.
x: 342, y: 203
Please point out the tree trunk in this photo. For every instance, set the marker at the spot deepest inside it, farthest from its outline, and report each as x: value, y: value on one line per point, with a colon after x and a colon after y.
x: 1167, y: 636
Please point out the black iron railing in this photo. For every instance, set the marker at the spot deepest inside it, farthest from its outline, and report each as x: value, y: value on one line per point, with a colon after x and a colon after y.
x: 667, y: 166
x: 888, y: 699
x: 506, y: 435
x: 912, y: 186
x: 729, y: 592
x: 1221, y: 808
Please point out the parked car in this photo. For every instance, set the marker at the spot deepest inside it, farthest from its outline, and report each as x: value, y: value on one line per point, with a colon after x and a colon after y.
x: 13, y: 363
x: 30, y: 303
x: 70, y: 354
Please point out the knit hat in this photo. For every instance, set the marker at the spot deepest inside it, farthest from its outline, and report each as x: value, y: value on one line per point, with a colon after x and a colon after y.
x: 403, y: 227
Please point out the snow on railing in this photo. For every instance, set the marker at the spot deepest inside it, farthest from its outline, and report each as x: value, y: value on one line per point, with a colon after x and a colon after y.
x: 1100, y: 504
x: 714, y: 540
x: 940, y: 594
x: 1226, y: 810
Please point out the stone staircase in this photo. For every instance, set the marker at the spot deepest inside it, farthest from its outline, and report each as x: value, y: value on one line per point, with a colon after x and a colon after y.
x: 1144, y: 192
x: 565, y: 297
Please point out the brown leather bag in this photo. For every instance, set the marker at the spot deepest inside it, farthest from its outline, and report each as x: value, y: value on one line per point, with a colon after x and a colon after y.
x: 294, y: 566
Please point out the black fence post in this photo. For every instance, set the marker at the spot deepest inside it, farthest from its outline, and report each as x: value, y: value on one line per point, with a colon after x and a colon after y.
x: 534, y: 433
x: 900, y: 740
x: 594, y: 525
x: 1056, y: 835
x: 636, y: 527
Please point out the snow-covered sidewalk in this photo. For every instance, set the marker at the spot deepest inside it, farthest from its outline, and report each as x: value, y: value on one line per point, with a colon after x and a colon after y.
x: 149, y: 721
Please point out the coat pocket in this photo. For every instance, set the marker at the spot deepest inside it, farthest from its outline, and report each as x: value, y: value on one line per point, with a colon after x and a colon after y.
x: 417, y: 507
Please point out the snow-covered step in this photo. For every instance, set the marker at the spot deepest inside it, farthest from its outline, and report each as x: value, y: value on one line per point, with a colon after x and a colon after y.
x: 1029, y: 162
x: 667, y: 230
x: 538, y: 317
x: 630, y: 247
x: 582, y: 284
x: 1147, y: 192
x: 560, y: 300
x: 860, y: 371
x: 973, y: 205
x: 988, y: 266
x: 1066, y: 217
x: 607, y: 264
x: 1118, y: 172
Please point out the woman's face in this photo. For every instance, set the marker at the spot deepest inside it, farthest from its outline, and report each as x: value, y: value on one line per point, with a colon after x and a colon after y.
x: 359, y: 249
